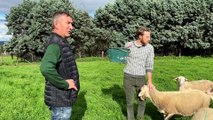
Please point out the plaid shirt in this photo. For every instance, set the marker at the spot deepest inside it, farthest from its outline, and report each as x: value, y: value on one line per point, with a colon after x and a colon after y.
x: 140, y: 59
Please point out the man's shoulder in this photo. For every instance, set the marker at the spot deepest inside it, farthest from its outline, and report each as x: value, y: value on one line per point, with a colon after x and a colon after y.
x: 149, y: 46
x: 53, y: 46
x: 130, y: 42
x: 55, y: 38
x: 127, y: 44
x: 53, y: 49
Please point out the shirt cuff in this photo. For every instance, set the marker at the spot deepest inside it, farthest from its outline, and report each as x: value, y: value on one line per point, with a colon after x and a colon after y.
x: 66, y: 86
x: 149, y: 70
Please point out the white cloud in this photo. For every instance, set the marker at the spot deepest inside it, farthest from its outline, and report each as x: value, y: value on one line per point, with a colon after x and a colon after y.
x: 2, y: 25
x: 5, y: 37
x: 3, y: 32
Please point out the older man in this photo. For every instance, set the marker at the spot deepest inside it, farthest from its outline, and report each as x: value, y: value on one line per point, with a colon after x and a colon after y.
x: 59, y: 68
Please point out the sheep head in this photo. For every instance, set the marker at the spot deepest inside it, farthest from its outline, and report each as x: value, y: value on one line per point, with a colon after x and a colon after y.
x: 144, y: 92
x: 181, y: 80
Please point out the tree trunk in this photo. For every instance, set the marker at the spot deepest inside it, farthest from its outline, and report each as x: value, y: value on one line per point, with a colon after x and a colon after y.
x: 79, y: 54
x: 102, y: 54
x: 1, y: 58
x: 179, y: 52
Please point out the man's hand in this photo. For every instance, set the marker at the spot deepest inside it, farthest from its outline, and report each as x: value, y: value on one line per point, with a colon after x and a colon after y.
x: 151, y: 86
x: 72, y: 84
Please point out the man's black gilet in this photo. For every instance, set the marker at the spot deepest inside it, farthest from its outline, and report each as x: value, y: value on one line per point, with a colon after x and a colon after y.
x: 67, y: 68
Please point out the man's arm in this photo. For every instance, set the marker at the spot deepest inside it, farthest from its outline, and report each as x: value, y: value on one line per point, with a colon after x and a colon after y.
x: 127, y: 45
x: 149, y: 68
x: 149, y: 77
x: 48, y: 68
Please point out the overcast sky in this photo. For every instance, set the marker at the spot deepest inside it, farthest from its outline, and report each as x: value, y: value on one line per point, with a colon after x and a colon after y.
x: 88, y: 5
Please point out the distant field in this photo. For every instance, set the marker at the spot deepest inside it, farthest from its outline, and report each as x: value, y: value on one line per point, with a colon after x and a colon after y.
x: 101, y: 96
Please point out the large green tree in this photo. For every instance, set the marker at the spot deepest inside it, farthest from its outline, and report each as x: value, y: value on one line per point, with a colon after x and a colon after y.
x: 30, y: 23
x: 177, y: 25
x: 16, y: 23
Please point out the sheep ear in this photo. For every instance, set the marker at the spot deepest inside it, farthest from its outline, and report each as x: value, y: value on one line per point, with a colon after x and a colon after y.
x: 175, y: 79
x: 142, y: 95
x: 143, y: 98
x: 186, y: 79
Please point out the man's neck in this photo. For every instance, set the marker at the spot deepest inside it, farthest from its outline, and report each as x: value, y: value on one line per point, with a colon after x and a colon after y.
x: 58, y: 33
x: 138, y: 42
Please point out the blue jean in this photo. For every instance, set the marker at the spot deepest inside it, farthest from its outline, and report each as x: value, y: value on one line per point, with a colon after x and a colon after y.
x: 61, y: 113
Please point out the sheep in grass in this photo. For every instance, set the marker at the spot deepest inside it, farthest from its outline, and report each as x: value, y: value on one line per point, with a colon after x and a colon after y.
x: 169, y: 103
x: 203, y: 85
x: 203, y: 114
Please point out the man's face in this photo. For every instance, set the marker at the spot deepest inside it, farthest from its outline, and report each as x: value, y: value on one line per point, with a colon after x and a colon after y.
x: 145, y: 38
x: 64, y: 25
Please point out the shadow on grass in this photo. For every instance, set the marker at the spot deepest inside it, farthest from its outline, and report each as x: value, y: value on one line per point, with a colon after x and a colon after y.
x: 211, y: 104
x: 154, y: 114
x: 118, y: 95
x: 79, y: 107
x: 152, y: 111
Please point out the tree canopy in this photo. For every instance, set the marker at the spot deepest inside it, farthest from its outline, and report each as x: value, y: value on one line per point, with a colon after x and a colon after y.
x: 178, y: 26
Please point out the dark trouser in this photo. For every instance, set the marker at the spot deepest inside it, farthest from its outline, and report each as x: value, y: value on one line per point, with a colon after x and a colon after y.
x: 132, y: 83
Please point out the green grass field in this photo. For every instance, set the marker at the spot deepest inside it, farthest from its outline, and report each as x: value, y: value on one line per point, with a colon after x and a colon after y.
x: 101, y: 96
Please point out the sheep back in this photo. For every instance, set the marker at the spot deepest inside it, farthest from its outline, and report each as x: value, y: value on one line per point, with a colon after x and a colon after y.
x: 182, y: 102
x: 203, y: 85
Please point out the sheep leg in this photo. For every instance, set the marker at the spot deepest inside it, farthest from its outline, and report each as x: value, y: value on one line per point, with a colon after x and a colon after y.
x: 210, y: 94
x: 167, y: 117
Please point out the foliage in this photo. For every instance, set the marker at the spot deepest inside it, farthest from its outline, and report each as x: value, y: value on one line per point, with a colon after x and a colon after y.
x: 177, y: 25
x: 30, y: 23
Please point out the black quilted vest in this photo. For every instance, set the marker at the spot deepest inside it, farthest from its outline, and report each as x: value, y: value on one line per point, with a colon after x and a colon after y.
x: 67, y: 68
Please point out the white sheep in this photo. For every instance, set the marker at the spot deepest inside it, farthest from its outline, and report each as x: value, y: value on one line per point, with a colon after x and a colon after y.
x: 203, y: 85
x: 203, y: 114
x: 169, y: 103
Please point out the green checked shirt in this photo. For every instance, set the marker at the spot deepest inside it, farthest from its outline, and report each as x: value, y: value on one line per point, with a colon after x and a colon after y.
x: 140, y: 59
